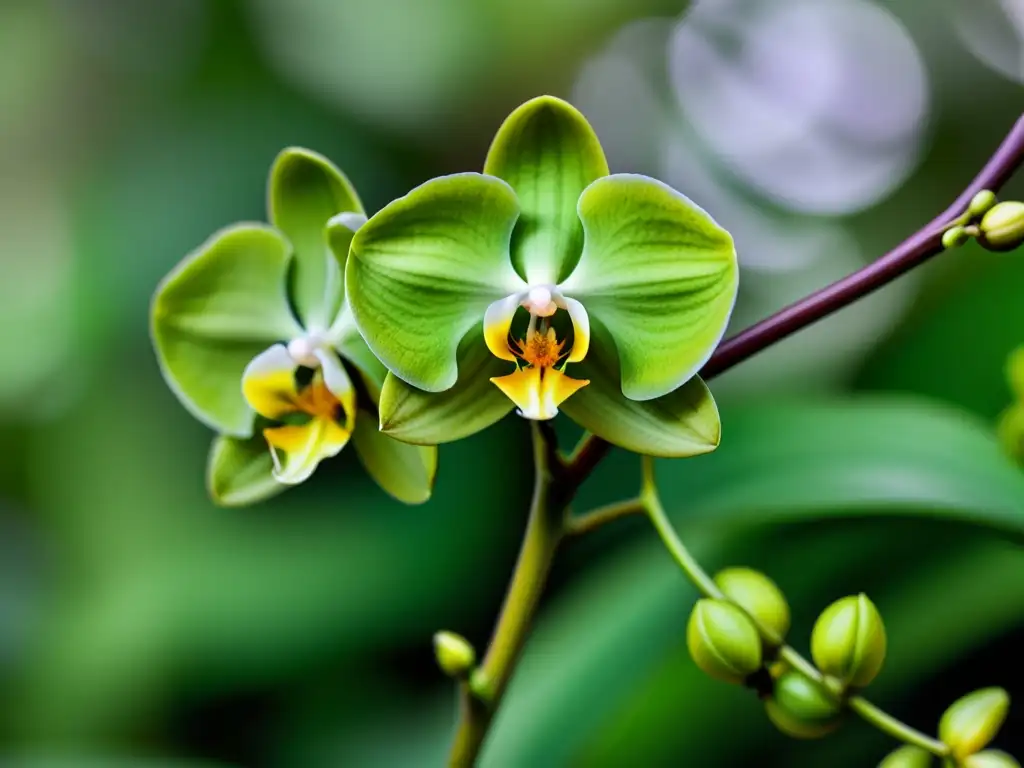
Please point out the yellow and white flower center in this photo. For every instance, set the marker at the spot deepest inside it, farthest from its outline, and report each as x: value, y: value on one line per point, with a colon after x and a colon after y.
x: 271, y: 388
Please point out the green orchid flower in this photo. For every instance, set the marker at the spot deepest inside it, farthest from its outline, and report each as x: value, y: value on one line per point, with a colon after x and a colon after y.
x: 253, y: 335
x: 543, y: 284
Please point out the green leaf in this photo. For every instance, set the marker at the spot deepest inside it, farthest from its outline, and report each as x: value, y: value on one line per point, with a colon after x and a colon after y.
x: 778, y: 463
x: 405, y: 471
x: 682, y: 423
x: 240, y: 472
x: 422, y: 271
x: 305, y: 190
x: 219, y: 308
x: 430, y: 418
x: 660, y: 274
x: 875, y: 453
x: 626, y: 692
x: 549, y: 154
x: 261, y: 599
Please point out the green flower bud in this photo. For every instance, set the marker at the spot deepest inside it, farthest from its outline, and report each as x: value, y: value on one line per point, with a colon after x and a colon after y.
x: 907, y: 757
x: 760, y: 597
x: 954, y: 237
x: 1015, y: 372
x: 723, y: 641
x: 1010, y: 429
x: 800, y: 708
x: 972, y: 722
x: 848, y: 641
x: 991, y: 758
x: 982, y: 202
x: 455, y: 656
x: 1002, y: 228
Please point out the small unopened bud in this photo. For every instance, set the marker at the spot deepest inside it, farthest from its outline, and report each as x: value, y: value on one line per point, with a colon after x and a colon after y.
x: 848, y: 641
x: 1015, y: 372
x: 761, y: 598
x: 907, y: 757
x: 1010, y: 429
x: 991, y: 758
x: 981, y: 203
x: 972, y: 722
x: 1002, y: 228
x: 954, y: 237
x: 800, y: 708
x: 723, y: 641
x: 455, y: 656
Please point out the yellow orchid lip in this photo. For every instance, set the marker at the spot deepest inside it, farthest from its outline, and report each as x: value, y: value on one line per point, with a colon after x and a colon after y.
x: 537, y: 392
x: 271, y: 389
x: 539, y: 387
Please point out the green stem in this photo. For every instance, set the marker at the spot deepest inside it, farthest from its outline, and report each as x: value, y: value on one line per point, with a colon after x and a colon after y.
x: 595, y: 518
x: 886, y: 723
x: 700, y: 578
x: 679, y: 552
x: 545, y: 529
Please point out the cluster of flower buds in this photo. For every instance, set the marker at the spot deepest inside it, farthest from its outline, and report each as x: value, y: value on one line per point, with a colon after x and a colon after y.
x: 996, y: 226
x: 736, y: 638
x: 730, y: 637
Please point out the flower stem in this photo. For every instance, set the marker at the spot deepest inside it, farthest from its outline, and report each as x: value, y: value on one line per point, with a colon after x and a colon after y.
x: 893, y: 727
x: 545, y: 529
x: 700, y: 578
x: 581, y: 524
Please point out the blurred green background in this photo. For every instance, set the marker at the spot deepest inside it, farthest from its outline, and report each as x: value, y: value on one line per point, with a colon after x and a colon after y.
x: 139, y: 625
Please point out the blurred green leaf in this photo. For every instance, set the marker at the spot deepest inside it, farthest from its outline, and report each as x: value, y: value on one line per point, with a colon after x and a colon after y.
x: 932, y: 355
x: 871, y: 455
x: 166, y: 585
x: 105, y: 762
x: 626, y: 690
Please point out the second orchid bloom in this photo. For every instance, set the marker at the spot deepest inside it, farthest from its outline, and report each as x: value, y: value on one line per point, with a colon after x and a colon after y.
x: 254, y: 336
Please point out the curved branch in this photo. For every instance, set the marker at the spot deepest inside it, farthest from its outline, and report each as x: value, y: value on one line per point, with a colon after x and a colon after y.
x: 915, y: 250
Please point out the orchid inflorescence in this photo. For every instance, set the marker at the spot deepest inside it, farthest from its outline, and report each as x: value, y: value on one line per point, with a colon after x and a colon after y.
x: 542, y: 284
